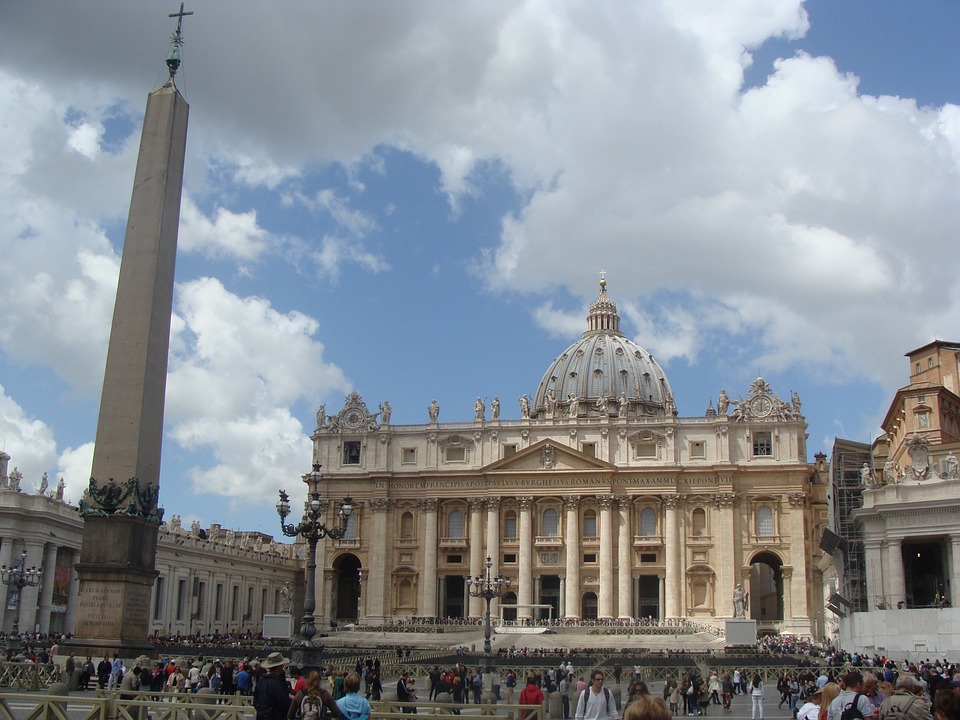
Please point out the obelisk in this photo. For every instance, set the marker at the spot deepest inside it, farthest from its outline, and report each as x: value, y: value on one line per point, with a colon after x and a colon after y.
x: 119, y: 508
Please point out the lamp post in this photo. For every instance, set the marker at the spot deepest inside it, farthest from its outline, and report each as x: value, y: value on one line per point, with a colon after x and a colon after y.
x: 19, y: 576
x: 312, y: 529
x: 488, y: 588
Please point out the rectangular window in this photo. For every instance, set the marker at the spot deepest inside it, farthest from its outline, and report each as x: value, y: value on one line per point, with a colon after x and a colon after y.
x: 648, y: 557
x: 351, y: 452
x: 158, y: 599
x: 510, y: 527
x: 509, y: 450
x: 351, y: 531
x: 646, y: 449
x: 456, y: 454
x: 181, y: 597
x: 218, y: 602
x: 510, y: 559
x: 590, y: 526
x: 590, y: 558
x: 762, y: 444
x: 697, y: 449
x: 589, y: 449
x: 454, y: 559
x: 408, y: 456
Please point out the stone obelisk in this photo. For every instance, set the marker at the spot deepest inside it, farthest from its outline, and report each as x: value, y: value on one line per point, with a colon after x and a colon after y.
x: 119, y: 509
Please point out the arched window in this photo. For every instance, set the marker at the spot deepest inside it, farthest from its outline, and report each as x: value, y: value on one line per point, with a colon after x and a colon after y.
x: 648, y: 522
x: 698, y: 522
x: 455, y: 524
x: 510, y: 525
x: 551, y: 523
x: 764, y: 521
x: 590, y: 524
x: 406, y: 525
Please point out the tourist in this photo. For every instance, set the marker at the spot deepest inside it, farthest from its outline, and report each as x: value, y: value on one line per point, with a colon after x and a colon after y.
x: 852, y: 691
x: 596, y: 702
x: 756, y: 697
x: 907, y: 701
x: 314, y: 702
x: 646, y: 707
x: 272, y: 696
x: 531, y: 695
x: 353, y: 705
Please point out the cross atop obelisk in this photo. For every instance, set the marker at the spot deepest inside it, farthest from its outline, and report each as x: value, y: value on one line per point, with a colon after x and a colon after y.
x: 120, y: 507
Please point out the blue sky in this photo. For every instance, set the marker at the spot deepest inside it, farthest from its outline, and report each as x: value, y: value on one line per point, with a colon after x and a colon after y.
x: 414, y: 201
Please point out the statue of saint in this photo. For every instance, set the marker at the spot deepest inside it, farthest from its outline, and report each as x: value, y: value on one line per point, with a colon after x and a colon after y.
x: 524, y: 406
x: 321, y: 415
x: 866, y: 476
x: 61, y: 486
x: 286, y: 599
x: 551, y: 402
x: 573, y: 409
x: 433, y: 411
x: 495, y: 407
x: 622, y: 405
x: 723, y: 402
x: 741, y: 602
x: 951, y: 467
x: 479, y: 409
x: 15, y: 477
x: 385, y: 412
x: 602, y: 404
x: 795, y: 399
x: 44, y: 484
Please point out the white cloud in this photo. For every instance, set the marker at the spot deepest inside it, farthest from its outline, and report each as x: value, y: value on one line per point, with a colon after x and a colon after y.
x: 28, y: 441
x: 237, y: 367
x: 227, y: 234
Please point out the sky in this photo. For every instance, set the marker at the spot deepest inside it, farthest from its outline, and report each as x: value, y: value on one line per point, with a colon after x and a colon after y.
x: 415, y: 200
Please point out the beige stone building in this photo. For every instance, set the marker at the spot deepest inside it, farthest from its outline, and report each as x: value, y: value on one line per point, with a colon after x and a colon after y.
x: 908, y: 517
x: 599, y: 501
x: 210, y: 580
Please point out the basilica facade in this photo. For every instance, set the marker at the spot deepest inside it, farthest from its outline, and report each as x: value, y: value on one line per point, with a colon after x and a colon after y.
x: 600, y: 502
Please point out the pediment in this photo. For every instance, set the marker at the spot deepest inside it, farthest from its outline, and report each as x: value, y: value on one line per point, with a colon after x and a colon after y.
x: 549, y: 456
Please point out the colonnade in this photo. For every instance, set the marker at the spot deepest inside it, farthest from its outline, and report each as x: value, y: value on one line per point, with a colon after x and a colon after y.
x: 37, y: 610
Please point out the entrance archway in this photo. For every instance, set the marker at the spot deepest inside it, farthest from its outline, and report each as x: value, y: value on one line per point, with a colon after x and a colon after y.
x: 589, y: 610
x: 549, y: 595
x: 454, y: 589
x: 346, y: 589
x: 766, y: 588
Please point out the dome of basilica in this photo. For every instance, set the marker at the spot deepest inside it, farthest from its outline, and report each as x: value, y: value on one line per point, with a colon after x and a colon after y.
x: 603, y: 373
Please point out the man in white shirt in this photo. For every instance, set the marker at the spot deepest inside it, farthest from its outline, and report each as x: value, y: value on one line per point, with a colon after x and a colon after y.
x: 596, y: 702
x: 852, y: 692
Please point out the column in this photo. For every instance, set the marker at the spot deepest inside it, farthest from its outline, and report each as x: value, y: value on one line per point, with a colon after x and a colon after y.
x: 6, y: 557
x: 525, y: 581
x: 377, y: 593
x: 493, y: 545
x: 73, y: 594
x: 954, y: 569
x: 727, y: 563
x: 571, y: 503
x: 624, y: 562
x: 671, y: 541
x: 46, y: 591
x: 322, y: 583
x: 786, y: 572
x: 873, y: 561
x: 30, y: 596
x: 428, y: 603
x: 895, y: 585
x: 663, y: 596
x: 477, y: 566
x: 605, y: 604
x: 798, y: 555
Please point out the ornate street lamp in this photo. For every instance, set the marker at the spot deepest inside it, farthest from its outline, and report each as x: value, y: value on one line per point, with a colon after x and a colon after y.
x: 19, y: 576
x: 312, y: 529
x: 488, y: 588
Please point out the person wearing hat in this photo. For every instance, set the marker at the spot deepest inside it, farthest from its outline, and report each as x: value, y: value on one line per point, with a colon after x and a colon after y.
x: 811, y: 709
x: 272, y: 695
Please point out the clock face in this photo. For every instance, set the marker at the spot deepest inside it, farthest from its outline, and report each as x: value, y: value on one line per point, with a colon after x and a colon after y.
x: 761, y: 406
x: 353, y: 418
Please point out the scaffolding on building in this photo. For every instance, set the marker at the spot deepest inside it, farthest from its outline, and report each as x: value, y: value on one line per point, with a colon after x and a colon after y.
x: 847, y: 495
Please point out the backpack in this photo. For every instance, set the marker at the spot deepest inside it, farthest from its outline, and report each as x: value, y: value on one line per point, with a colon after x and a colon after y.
x: 895, y: 712
x: 582, y: 701
x: 851, y: 711
x: 311, y: 708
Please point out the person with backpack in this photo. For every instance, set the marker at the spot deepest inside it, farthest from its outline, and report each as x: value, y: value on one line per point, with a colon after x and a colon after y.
x: 907, y: 701
x: 314, y: 702
x: 353, y: 705
x: 596, y: 702
x: 851, y: 703
x: 530, y: 695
